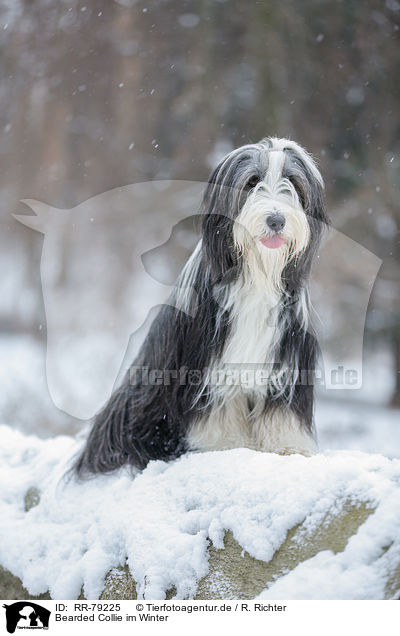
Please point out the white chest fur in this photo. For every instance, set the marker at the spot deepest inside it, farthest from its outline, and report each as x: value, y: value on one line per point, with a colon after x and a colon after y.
x: 254, y: 328
x: 237, y: 418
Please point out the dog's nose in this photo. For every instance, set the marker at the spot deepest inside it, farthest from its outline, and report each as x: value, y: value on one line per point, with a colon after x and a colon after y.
x: 276, y: 222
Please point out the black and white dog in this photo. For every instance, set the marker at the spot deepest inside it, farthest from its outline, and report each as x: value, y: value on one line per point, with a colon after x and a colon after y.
x: 230, y: 363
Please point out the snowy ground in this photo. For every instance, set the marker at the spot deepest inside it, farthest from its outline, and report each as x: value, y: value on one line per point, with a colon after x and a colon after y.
x: 71, y: 539
x: 160, y: 520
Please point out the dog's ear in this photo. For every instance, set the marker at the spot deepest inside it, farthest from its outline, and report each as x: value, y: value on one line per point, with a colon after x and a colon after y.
x: 219, y: 202
x: 311, y: 186
x: 315, y: 207
x: 218, y: 248
x: 318, y: 219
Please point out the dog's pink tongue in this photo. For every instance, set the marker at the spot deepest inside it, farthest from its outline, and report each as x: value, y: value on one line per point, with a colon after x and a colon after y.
x: 273, y: 241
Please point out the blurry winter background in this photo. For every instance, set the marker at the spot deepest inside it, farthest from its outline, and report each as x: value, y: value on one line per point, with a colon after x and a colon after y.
x: 99, y: 95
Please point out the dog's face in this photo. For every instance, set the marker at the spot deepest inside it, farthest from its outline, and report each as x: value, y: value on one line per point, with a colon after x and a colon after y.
x: 264, y: 210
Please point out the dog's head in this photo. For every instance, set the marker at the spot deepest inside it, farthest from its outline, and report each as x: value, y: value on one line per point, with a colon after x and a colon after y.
x: 264, y: 214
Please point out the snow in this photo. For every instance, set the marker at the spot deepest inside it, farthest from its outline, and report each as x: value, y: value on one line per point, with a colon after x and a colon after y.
x: 356, y: 573
x: 162, y: 520
x: 24, y: 398
x: 369, y: 427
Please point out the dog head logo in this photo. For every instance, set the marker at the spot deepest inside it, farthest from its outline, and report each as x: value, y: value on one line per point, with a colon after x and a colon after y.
x: 98, y: 295
x: 26, y: 615
x: 109, y: 263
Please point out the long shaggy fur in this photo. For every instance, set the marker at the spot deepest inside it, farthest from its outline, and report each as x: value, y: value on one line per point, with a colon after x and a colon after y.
x: 239, y: 306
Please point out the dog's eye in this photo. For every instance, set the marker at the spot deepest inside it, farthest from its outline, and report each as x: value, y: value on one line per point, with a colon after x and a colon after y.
x: 252, y: 182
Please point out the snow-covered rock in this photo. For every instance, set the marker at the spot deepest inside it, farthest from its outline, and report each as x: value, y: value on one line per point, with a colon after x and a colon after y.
x: 228, y: 524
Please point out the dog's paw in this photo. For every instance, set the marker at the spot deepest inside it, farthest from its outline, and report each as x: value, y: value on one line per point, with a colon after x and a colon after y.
x: 291, y: 450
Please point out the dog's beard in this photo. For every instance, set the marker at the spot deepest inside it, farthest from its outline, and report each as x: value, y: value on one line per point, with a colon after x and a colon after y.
x: 263, y: 264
